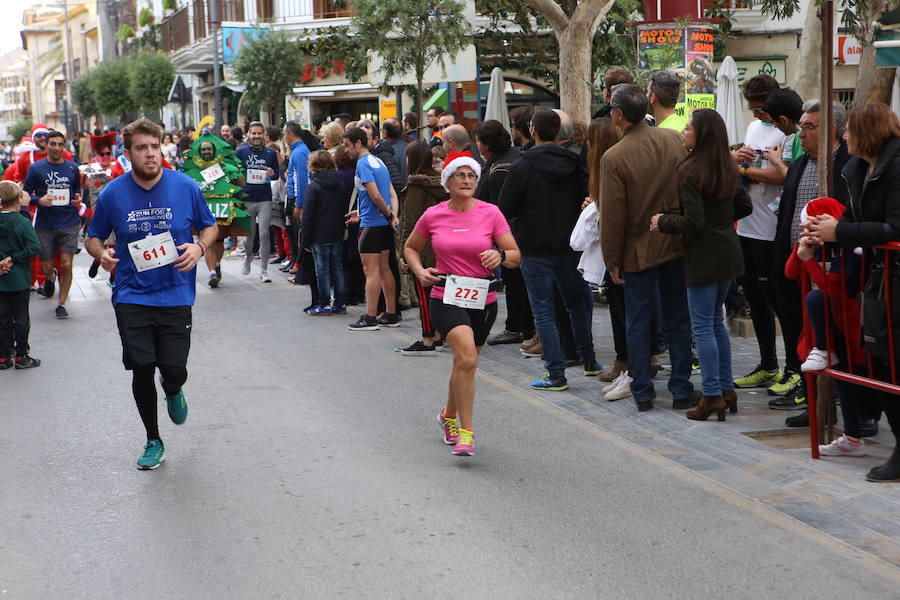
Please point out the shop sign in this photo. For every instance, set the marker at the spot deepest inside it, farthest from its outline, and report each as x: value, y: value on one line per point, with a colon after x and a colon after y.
x: 847, y: 50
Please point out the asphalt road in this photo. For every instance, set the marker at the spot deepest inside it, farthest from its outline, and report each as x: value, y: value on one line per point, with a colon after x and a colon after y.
x: 311, y: 466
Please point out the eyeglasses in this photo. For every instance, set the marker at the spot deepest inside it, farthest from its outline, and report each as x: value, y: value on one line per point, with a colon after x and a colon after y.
x: 462, y: 176
x: 807, y: 126
x: 755, y: 110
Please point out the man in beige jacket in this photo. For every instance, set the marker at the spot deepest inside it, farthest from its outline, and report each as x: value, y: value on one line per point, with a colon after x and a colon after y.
x: 638, y: 179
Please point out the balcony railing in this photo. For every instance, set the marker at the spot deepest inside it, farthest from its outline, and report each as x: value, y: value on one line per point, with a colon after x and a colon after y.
x: 191, y: 23
x: 176, y: 30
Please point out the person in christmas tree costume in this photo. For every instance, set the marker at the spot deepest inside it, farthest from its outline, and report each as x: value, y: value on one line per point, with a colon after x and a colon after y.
x: 211, y: 162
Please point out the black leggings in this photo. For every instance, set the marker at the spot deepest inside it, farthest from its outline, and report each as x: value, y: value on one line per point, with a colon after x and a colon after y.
x: 758, y: 257
x: 144, y: 389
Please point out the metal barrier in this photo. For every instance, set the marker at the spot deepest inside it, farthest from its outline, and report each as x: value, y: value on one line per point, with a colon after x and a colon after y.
x: 852, y: 377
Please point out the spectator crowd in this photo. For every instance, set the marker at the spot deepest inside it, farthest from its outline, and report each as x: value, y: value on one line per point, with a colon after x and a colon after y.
x: 644, y: 206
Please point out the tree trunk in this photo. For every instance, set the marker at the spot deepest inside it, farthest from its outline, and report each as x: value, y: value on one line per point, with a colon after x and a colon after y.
x: 575, y: 71
x: 806, y: 75
x: 420, y: 101
x: 872, y: 84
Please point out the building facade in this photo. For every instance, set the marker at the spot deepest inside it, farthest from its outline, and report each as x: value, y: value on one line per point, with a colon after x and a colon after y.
x: 15, y: 91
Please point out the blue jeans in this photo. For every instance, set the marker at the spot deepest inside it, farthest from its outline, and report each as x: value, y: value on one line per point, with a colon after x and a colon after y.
x: 542, y: 274
x: 329, y: 270
x: 640, y: 304
x: 711, y: 336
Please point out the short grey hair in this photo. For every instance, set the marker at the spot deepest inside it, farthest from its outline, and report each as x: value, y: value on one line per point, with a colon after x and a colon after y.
x: 565, y: 126
x: 838, y: 114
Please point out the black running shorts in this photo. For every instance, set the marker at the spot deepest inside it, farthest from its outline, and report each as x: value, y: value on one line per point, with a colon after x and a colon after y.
x: 374, y: 240
x: 444, y: 317
x: 154, y: 335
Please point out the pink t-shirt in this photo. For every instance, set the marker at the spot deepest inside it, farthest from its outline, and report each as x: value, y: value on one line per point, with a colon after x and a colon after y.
x: 459, y: 237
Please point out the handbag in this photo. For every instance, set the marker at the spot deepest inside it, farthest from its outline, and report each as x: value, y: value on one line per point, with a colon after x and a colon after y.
x: 349, y: 210
x: 875, y: 311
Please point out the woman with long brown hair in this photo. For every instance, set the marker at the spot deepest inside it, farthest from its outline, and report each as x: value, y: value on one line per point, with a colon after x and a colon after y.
x: 601, y: 136
x: 423, y: 190
x: 712, y: 199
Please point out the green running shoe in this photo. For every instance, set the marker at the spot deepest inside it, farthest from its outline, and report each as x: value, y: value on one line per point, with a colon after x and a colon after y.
x: 178, y: 408
x: 152, y: 456
x: 789, y: 381
x: 758, y: 377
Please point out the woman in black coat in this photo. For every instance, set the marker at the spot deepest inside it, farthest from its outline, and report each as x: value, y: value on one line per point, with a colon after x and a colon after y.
x: 872, y: 218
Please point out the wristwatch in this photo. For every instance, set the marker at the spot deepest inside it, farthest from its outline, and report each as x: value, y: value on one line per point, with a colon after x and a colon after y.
x: 502, y: 256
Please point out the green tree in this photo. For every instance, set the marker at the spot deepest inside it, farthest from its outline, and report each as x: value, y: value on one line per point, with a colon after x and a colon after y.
x: 83, y: 96
x: 150, y: 77
x: 411, y: 35
x: 110, y: 87
x: 19, y: 128
x: 269, y: 66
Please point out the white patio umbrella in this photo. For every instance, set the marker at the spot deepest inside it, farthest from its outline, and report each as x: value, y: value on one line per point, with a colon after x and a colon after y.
x: 728, y: 101
x: 895, y: 93
x: 496, y: 99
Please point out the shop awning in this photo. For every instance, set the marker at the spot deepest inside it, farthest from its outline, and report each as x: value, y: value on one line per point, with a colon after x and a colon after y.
x: 887, y: 40
x: 439, y: 98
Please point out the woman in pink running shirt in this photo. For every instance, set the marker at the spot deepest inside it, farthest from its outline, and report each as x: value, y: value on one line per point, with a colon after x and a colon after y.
x: 470, y: 239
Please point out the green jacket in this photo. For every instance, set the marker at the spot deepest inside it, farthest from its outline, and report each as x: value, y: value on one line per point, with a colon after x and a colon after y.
x: 18, y: 240
x: 712, y: 251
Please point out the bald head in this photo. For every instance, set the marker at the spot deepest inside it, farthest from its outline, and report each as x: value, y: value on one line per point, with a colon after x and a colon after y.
x: 565, y: 127
x: 456, y: 138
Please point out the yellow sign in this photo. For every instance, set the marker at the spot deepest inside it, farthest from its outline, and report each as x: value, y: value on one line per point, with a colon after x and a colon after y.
x: 388, y: 109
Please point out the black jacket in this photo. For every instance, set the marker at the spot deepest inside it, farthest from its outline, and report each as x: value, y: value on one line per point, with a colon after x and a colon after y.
x: 324, y: 207
x: 493, y: 175
x: 385, y: 151
x: 873, y: 211
x: 783, y: 245
x: 712, y: 251
x: 543, y: 193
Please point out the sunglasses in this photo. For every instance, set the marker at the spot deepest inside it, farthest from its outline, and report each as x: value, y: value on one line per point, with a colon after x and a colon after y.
x: 40, y: 135
x: 104, y: 154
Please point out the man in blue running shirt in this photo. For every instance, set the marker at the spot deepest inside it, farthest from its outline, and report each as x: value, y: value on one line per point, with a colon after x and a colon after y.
x: 153, y: 212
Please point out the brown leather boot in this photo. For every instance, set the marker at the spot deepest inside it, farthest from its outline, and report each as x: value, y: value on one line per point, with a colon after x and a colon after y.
x: 655, y: 365
x: 730, y: 398
x: 618, y: 367
x: 708, y: 405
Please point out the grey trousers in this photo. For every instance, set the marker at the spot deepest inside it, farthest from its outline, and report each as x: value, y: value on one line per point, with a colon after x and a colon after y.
x: 260, y: 212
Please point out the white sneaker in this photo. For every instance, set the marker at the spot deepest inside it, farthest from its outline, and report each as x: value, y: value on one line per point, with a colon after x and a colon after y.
x: 246, y: 269
x: 623, y: 390
x: 264, y: 277
x: 615, y: 383
x: 843, y: 447
x: 287, y: 263
x: 817, y: 360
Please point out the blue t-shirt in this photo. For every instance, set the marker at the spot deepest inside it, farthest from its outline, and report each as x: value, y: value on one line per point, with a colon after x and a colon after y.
x: 43, y: 176
x: 370, y: 168
x: 262, y: 159
x: 176, y: 205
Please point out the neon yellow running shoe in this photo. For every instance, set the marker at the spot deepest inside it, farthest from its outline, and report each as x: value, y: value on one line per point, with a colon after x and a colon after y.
x: 789, y: 381
x: 758, y: 377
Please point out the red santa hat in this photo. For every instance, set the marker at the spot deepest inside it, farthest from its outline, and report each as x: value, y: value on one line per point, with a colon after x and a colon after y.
x: 822, y: 206
x: 456, y: 160
x: 103, y: 141
x: 39, y: 128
